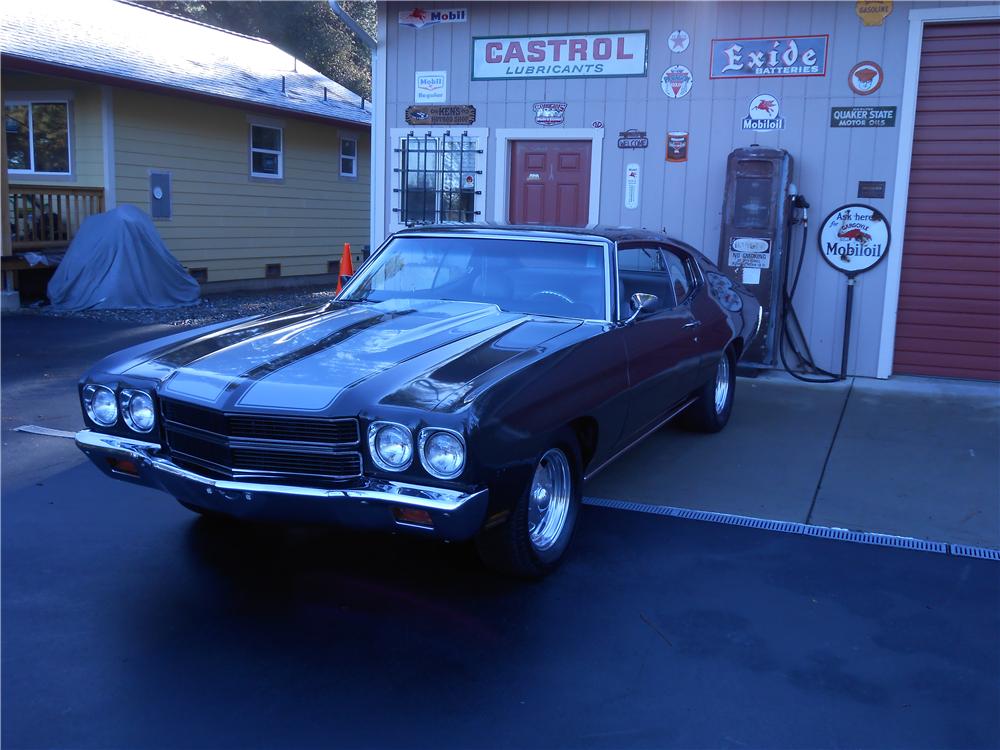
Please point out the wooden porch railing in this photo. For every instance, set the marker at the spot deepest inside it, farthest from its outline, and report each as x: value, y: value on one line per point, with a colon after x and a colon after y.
x: 49, y: 216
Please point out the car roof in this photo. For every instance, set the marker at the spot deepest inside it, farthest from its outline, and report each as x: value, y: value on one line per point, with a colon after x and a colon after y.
x: 613, y: 234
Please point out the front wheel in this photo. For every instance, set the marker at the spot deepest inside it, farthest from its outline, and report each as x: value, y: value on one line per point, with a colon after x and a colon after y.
x: 710, y: 413
x: 531, y: 541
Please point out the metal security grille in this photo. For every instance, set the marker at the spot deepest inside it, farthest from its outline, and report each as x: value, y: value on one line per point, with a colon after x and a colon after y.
x: 438, y: 179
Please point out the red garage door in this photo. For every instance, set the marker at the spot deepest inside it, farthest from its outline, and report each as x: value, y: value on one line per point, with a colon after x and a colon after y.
x: 949, y: 298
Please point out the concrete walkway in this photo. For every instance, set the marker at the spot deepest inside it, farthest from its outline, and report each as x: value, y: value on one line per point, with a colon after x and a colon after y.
x: 915, y: 457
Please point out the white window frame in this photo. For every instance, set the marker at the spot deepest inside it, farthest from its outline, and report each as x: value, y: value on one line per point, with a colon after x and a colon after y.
x: 501, y: 174
x: 354, y: 159
x: 280, y: 153
x: 30, y: 99
x: 396, y: 136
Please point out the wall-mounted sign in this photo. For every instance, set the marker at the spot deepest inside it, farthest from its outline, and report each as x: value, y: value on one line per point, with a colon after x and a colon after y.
x: 440, y: 114
x: 418, y: 17
x: 632, y: 186
x: 431, y: 86
x: 566, y: 56
x: 676, y: 81
x: 865, y: 78
x: 678, y: 40
x: 549, y: 113
x: 763, y: 114
x: 873, y: 12
x: 854, y: 238
x: 749, y: 252
x: 862, y: 117
x: 633, y: 139
x: 597, y: 124
x: 769, y: 57
x: 871, y: 189
x: 677, y: 146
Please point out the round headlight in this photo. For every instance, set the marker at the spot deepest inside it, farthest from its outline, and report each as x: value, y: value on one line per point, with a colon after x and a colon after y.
x: 442, y: 453
x: 391, y: 445
x: 137, y: 408
x: 99, y: 402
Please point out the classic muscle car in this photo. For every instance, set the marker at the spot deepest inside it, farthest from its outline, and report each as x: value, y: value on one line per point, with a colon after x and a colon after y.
x: 464, y: 384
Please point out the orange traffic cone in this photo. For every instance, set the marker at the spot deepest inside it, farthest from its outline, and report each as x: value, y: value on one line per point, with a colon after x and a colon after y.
x: 346, y: 267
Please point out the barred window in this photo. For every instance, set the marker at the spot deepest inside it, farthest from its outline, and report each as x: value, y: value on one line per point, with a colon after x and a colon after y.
x: 438, y: 178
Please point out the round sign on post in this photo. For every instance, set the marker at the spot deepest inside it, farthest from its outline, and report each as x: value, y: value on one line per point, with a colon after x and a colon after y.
x: 854, y: 238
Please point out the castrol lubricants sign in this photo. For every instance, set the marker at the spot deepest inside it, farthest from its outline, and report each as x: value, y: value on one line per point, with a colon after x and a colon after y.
x: 616, y: 54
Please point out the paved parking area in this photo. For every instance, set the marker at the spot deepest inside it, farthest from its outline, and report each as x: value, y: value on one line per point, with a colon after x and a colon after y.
x: 126, y: 623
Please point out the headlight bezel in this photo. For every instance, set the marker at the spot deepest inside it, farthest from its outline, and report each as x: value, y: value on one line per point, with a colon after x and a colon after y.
x: 426, y: 434
x: 373, y: 432
x: 126, y: 397
x: 88, y: 396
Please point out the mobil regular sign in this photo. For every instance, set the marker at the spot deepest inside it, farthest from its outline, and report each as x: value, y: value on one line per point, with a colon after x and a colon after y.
x: 613, y: 54
x: 769, y: 57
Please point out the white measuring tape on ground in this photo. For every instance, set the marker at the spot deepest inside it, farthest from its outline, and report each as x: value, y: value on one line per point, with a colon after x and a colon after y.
x: 34, y: 429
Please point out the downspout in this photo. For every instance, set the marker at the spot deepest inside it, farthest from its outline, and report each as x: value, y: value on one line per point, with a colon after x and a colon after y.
x: 374, y: 179
x: 108, y: 139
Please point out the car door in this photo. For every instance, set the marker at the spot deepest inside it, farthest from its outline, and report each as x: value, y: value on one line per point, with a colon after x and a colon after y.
x: 662, y: 352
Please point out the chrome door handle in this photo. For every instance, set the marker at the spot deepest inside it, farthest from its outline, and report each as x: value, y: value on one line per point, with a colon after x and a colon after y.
x: 692, y: 324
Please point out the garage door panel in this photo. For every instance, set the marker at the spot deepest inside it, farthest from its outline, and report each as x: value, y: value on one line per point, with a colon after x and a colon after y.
x: 920, y: 289
x: 939, y: 260
x: 960, y: 191
x: 950, y: 279
x: 961, y: 44
x: 949, y: 333
x: 956, y: 148
x: 950, y: 133
x: 940, y: 318
x: 924, y: 345
x: 974, y: 163
x: 958, y: 306
x: 959, y: 58
x: 953, y: 103
x: 917, y: 245
x: 947, y: 220
x: 966, y: 73
x: 920, y: 175
x: 952, y: 234
x: 952, y: 205
x: 957, y: 367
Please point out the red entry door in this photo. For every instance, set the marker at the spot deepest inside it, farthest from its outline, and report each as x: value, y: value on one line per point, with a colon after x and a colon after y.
x: 550, y: 183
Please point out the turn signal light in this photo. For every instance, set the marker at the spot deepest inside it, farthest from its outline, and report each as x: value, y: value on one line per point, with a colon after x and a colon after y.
x: 413, y: 516
x: 124, y: 466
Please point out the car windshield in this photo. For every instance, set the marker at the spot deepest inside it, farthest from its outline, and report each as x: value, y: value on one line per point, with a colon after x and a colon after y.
x: 537, y: 277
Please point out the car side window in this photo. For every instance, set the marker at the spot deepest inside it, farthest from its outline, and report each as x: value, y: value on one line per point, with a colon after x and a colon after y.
x: 680, y: 275
x: 643, y: 269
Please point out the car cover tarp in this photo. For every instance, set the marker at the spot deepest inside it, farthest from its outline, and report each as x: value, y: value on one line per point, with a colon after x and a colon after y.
x: 118, y: 261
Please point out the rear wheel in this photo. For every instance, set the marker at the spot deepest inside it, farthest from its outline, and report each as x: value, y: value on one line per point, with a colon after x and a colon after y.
x: 531, y: 541
x: 710, y: 413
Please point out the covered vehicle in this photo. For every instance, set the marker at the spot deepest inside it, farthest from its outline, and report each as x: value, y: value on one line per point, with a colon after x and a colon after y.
x: 118, y: 261
x: 463, y: 385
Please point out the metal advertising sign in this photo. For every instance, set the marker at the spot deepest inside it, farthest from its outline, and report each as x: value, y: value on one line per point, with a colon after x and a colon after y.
x: 769, y: 57
x: 418, y: 17
x: 549, y: 113
x: 862, y: 117
x: 440, y: 114
x: 633, y: 139
x: 431, y: 86
x: 871, y: 189
x: 763, y: 114
x: 617, y: 54
x: 676, y: 81
x: 678, y: 40
x: 749, y: 252
x: 632, y: 186
x: 873, y: 12
x: 854, y: 238
x: 677, y: 146
x: 865, y: 78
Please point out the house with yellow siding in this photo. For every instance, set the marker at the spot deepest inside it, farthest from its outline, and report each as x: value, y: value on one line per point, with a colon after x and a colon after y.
x: 252, y: 164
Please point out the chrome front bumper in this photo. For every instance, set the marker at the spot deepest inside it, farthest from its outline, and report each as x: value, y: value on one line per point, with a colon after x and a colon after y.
x: 369, y: 504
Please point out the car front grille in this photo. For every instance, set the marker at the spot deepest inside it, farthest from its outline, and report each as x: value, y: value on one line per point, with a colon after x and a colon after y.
x: 263, y: 446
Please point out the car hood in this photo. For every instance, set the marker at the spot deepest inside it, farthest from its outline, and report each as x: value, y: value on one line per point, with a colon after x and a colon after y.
x: 344, y: 358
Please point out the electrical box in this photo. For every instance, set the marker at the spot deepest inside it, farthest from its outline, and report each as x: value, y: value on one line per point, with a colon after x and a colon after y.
x: 755, y: 236
x: 159, y: 195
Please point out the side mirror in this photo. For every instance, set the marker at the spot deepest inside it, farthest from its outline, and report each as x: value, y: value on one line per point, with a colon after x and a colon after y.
x: 642, y: 304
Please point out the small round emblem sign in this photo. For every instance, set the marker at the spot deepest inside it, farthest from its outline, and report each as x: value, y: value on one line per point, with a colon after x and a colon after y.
x: 854, y: 238
x: 676, y: 81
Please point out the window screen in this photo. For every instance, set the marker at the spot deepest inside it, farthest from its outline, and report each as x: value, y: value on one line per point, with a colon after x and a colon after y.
x: 438, y: 179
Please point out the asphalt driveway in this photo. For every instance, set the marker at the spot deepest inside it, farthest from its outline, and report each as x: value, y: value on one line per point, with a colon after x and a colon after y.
x: 128, y: 623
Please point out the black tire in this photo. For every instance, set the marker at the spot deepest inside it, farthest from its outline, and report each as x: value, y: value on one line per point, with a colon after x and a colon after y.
x: 508, y: 547
x: 703, y: 415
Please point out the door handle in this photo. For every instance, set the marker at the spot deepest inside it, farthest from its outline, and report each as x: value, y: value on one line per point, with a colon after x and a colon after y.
x: 692, y: 324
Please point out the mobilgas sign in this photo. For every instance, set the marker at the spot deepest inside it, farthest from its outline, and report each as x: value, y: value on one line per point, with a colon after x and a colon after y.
x: 614, y: 54
x: 854, y: 238
x: 769, y: 57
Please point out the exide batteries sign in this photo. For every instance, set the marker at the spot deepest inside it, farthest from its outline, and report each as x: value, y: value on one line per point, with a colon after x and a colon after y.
x: 769, y: 57
x: 607, y: 55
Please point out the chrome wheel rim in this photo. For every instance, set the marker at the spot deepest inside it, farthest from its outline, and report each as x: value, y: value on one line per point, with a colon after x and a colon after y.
x: 722, y: 384
x: 549, y: 499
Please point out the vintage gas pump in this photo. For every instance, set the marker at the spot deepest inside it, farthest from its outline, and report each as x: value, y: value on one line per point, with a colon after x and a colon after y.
x: 755, y: 235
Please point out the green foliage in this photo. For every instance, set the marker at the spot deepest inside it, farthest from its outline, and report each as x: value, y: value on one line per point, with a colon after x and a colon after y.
x: 308, y: 30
